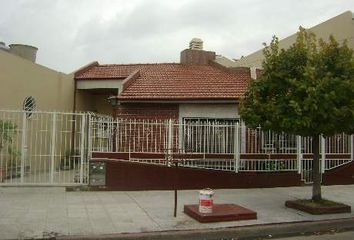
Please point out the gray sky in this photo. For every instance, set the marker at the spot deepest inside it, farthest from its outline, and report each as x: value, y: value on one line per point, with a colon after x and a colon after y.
x: 72, y: 33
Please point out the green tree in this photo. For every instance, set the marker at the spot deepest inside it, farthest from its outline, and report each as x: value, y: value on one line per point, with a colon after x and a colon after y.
x: 7, y: 131
x: 307, y: 90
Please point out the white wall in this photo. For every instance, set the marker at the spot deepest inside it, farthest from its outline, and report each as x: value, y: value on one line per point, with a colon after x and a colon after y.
x: 208, y: 110
x: 341, y: 27
x: 97, y: 84
x: 21, y: 78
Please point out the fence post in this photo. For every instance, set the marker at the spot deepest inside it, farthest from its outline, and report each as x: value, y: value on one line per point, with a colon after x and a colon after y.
x: 323, y: 154
x: 116, y: 134
x: 299, y: 154
x: 111, y: 125
x: 130, y: 137
x: 82, y: 148
x: 169, y: 142
x: 23, y: 145
x: 237, y: 148
x: 352, y: 147
x: 52, y: 148
x: 243, y: 136
x: 89, y: 145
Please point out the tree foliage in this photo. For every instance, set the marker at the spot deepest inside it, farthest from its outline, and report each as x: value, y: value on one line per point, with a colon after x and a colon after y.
x: 307, y: 89
x: 7, y: 131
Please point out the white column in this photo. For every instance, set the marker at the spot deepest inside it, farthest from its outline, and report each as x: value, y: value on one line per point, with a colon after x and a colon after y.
x: 323, y: 154
x: 129, y: 139
x: 243, y: 137
x: 169, y: 142
x: 23, y: 145
x: 299, y: 154
x: 352, y: 147
x: 89, y: 145
x: 52, y: 147
x: 237, y: 147
x: 82, y: 146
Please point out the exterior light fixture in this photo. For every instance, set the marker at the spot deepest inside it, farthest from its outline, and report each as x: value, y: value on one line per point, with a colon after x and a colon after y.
x: 113, y: 100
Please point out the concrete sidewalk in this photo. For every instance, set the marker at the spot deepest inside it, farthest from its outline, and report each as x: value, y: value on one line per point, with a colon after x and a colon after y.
x: 49, y: 212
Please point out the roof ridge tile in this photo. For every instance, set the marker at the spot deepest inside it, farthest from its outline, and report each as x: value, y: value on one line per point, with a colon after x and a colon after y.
x: 136, y: 64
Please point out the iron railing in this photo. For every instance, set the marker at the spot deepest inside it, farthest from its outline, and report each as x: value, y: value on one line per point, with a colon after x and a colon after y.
x: 237, y: 147
x: 47, y: 148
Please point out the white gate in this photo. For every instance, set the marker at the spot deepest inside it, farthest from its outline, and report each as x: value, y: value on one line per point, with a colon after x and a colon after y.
x: 43, y: 148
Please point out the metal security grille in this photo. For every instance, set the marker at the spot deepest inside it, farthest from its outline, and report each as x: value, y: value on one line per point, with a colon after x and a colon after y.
x: 208, y: 135
x: 29, y: 105
x: 218, y: 144
x: 49, y: 148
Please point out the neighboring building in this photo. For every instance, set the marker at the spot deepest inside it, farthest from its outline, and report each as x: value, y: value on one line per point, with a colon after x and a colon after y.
x: 196, y: 89
x: 227, y: 62
x: 341, y: 27
x: 26, y: 84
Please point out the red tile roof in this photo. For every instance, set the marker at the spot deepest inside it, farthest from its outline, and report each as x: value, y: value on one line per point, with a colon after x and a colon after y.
x: 174, y: 81
x: 109, y: 71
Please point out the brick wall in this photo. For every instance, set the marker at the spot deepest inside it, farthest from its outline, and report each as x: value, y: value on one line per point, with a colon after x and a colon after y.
x: 156, y: 177
x: 338, y: 176
x: 147, y: 111
x: 190, y: 56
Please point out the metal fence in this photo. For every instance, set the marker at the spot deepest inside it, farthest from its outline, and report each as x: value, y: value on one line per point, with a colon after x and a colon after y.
x: 219, y: 145
x: 54, y: 148
x: 47, y: 148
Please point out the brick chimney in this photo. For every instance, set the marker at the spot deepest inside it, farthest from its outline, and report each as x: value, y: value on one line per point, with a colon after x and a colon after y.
x: 195, y: 54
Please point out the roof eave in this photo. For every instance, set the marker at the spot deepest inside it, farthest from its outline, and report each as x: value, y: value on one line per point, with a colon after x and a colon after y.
x: 177, y: 100
x: 85, y: 68
x: 98, y: 78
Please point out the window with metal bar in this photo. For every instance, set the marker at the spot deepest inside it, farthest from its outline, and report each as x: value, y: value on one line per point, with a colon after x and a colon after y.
x: 208, y: 135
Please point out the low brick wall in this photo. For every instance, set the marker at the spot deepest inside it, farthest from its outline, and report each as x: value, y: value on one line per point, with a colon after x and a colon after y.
x: 339, y: 176
x: 124, y: 175
x: 149, y: 177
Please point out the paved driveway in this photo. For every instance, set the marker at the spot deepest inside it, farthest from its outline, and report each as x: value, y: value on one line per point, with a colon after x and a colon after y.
x: 49, y: 211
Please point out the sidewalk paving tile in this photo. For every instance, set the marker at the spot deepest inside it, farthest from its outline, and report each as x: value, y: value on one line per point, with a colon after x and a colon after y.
x: 38, y: 211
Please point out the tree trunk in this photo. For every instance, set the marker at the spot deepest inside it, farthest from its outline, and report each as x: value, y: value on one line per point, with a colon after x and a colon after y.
x: 316, y: 174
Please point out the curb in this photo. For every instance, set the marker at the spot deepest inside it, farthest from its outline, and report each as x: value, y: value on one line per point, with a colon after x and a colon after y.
x: 243, y: 232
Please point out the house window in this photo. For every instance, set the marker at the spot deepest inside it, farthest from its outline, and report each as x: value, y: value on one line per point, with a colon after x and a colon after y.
x: 208, y: 135
x: 29, y: 105
x: 278, y: 142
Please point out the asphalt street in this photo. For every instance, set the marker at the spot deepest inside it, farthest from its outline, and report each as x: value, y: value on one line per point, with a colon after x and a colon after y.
x: 326, y: 236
